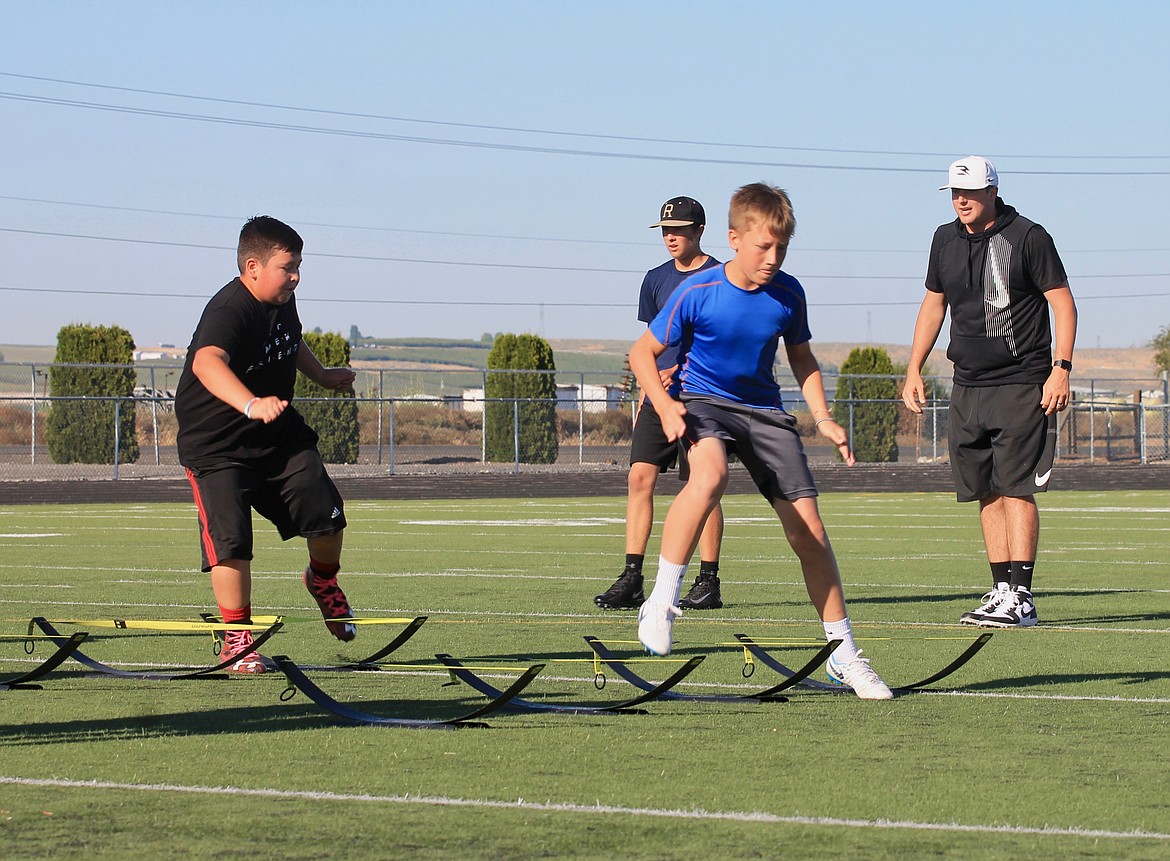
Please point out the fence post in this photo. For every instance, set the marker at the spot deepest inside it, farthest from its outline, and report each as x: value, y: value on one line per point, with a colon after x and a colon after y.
x: 390, y: 408
x: 1141, y: 422
x: 516, y: 434
x: 851, y: 404
x: 483, y: 422
x: 580, y: 419
x: 117, y: 433
x: 154, y: 415
x: 33, y: 416
x: 1092, y: 431
x: 381, y: 405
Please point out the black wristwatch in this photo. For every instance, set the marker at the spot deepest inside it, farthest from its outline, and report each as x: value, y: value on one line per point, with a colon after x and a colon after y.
x: 1063, y: 364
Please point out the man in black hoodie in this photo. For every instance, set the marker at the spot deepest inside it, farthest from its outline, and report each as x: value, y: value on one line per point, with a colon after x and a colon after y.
x: 999, y: 275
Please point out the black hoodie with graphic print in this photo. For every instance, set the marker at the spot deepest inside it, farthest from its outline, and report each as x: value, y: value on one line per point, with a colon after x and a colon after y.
x: 994, y: 284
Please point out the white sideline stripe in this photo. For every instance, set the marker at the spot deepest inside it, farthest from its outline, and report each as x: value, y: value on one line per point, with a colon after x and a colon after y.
x: 591, y: 809
x: 440, y: 613
x: 1079, y: 699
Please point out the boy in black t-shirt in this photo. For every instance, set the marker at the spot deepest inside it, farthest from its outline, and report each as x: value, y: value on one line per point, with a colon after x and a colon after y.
x: 245, y: 447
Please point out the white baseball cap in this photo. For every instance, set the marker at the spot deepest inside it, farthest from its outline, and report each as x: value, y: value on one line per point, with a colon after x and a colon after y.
x: 972, y: 173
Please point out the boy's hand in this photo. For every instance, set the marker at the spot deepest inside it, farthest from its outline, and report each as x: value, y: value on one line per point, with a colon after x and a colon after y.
x: 674, y: 426
x: 667, y: 376
x: 836, y: 434
x: 337, y: 378
x: 266, y: 409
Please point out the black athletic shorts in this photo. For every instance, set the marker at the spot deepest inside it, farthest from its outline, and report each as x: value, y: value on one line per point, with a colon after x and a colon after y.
x: 764, y: 440
x: 649, y: 444
x: 291, y: 489
x: 1001, y: 442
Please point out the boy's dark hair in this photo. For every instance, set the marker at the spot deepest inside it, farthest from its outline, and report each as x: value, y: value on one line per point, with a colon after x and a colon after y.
x: 262, y: 236
x: 762, y: 205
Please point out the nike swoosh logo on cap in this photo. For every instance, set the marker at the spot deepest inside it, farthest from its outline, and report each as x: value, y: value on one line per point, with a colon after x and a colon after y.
x: 1042, y: 480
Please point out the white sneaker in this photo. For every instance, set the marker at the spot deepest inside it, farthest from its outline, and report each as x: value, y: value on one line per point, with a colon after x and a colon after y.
x: 1017, y: 611
x: 655, y: 624
x: 859, y: 675
x: 991, y: 602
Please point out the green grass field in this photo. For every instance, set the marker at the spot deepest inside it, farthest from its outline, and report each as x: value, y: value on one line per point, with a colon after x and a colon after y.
x: 1052, y: 742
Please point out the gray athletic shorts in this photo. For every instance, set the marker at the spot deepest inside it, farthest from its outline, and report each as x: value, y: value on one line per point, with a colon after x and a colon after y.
x: 1001, y: 442
x: 765, y: 441
x: 292, y: 490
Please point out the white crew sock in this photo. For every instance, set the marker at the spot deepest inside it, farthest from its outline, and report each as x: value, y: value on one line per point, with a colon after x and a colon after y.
x: 668, y: 583
x: 842, y: 631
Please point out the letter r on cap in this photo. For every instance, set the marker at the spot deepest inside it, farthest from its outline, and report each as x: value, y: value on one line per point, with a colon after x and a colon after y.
x: 668, y: 210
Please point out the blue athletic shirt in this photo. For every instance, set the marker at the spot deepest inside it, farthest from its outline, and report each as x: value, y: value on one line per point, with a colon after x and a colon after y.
x: 735, y: 335
x: 657, y: 288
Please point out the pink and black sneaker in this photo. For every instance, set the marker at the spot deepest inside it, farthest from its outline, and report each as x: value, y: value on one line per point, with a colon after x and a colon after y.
x: 333, y: 603
x: 239, y: 643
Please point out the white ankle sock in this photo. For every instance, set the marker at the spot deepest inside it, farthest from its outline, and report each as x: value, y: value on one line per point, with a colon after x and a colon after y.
x: 842, y: 631
x: 668, y: 583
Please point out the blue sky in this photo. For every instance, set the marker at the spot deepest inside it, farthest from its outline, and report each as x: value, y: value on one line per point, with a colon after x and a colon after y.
x: 458, y: 168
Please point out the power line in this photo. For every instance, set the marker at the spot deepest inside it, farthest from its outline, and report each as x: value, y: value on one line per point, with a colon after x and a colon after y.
x: 466, y: 235
x: 551, y: 132
x: 485, y: 265
x: 475, y: 303
x: 544, y: 150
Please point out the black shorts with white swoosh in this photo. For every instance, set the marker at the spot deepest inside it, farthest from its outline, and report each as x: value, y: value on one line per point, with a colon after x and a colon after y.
x: 1001, y: 442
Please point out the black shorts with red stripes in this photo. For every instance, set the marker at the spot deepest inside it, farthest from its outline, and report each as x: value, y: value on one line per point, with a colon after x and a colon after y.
x: 291, y: 489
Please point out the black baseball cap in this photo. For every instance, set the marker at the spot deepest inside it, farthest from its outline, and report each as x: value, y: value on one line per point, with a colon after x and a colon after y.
x: 681, y: 212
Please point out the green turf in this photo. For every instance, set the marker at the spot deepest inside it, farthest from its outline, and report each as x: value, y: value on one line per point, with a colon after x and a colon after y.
x: 1051, y: 743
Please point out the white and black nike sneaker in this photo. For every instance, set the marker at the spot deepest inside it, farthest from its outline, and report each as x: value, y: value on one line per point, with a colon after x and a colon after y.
x: 1018, y: 611
x: 991, y: 602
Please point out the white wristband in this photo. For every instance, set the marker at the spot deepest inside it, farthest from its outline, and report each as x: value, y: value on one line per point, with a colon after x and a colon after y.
x: 248, y: 408
x: 818, y: 421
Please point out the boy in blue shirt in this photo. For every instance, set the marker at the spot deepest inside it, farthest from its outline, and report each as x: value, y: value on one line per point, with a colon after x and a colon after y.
x: 728, y: 400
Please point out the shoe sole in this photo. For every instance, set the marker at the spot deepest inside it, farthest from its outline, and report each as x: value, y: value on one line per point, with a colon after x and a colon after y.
x: 845, y: 686
x: 604, y: 605
x: 683, y: 605
x: 1023, y: 623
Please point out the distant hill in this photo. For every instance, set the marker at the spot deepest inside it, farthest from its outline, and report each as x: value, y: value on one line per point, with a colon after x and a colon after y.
x: 601, y: 355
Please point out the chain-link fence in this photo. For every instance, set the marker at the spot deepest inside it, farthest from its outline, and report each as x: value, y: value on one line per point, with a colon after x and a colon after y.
x: 432, y: 421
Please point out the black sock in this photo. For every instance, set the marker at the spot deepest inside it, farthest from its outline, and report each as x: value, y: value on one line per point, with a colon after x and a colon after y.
x: 1022, y: 574
x: 709, y: 568
x: 634, y: 562
x: 1001, y: 572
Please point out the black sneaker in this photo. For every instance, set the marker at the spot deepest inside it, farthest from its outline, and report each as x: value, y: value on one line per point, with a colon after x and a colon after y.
x: 704, y: 595
x: 624, y: 594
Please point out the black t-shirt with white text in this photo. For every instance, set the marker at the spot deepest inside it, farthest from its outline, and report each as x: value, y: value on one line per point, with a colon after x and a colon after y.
x: 262, y: 342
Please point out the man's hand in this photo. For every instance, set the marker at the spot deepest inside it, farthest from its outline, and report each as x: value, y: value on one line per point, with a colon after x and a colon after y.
x: 914, y: 392
x: 1055, y: 395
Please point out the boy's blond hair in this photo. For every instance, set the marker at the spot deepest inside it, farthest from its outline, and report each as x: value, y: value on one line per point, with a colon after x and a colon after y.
x: 764, y: 206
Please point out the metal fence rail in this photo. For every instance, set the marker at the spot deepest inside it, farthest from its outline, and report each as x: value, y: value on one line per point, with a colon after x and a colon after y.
x: 433, y: 421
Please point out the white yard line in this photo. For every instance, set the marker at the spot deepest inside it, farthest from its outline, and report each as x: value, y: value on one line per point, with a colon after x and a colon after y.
x: 695, y: 814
